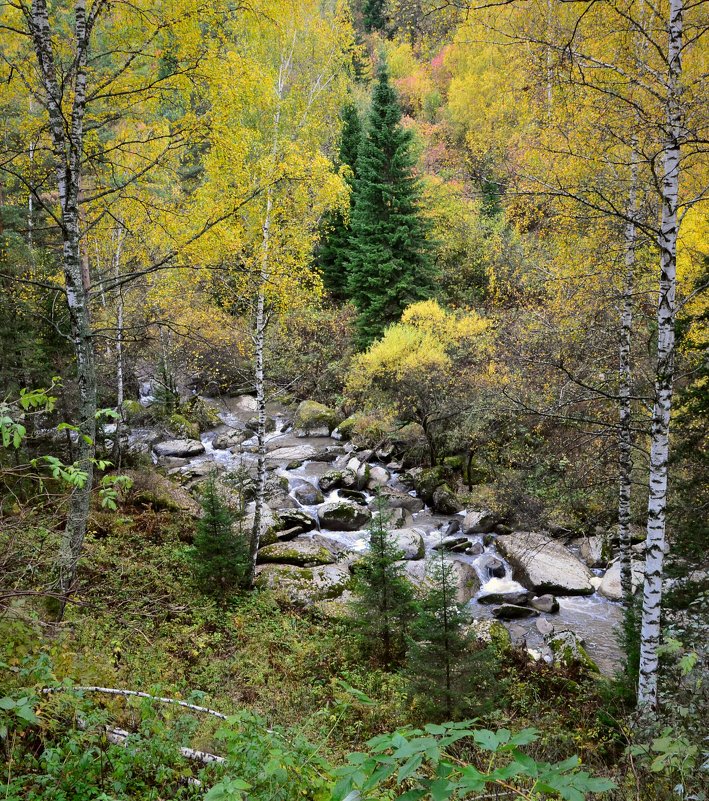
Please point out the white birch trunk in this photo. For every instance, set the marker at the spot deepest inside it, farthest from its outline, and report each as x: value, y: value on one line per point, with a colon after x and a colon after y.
x: 259, y: 343
x: 625, y: 439
x: 659, y: 449
x: 67, y: 141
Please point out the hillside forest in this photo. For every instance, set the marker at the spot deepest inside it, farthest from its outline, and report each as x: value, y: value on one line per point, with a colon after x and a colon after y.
x: 354, y: 399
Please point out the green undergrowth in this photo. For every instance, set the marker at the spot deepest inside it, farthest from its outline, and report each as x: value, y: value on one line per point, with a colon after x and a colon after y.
x: 141, y: 623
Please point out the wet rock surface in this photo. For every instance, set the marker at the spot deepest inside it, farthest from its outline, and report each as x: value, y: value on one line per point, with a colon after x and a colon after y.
x: 322, y: 500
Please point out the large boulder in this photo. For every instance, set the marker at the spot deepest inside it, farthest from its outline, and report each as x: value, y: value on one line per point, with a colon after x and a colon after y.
x: 308, y: 494
x: 595, y: 551
x: 313, y: 419
x: 335, y: 479
x: 291, y: 453
x: 299, y: 519
x: 151, y: 489
x: 393, y: 518
x: 544, y: 565
x: 466, y: 579
x: 610, y: 584
x: 410, y: 542
x: 304, y: 553
x: 343, y: 516
x: 397, y: 499
x: 444, y: 501
x: 230, y: 439
x: 184, y: 448
x: 513, y: 612
x: 246, y: 403
x: 516, y: 597
x: 481, y: 521
x: 304, y: 585
x: 568, y: 650
x: 427, y: 481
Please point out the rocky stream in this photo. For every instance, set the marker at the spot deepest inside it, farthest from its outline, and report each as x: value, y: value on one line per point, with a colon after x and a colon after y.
x: 322, y: 496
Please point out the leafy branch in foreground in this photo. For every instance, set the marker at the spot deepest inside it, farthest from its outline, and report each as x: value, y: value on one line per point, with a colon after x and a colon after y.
x: 418, y: 762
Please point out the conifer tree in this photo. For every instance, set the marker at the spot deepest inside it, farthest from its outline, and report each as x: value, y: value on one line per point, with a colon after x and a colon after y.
x: 220, y: 559
x: 441, y: 664
x: 373, y: 15
x: 390, y: 265
x: 385, y: 599
x: 334, y: 251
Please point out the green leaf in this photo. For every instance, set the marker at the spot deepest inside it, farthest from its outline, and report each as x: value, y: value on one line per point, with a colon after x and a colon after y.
x: 409, y: 768
x: 7, y: 703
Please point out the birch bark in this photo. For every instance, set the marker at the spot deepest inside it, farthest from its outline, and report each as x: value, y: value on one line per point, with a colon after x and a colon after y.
x: 664, y: 373
x: 67, y: 142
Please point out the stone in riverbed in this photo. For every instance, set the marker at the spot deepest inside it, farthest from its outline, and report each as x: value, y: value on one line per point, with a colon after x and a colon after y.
x: 336, y: 479
x: 343, y: 516
x: 444, y: 501
x: 568, y: 650
x: 303, y: 553
x: 291, y: 453
x: 545, y: 603
x: 246, y: 403
x: 353, y: 495
x: 544, y: 565
x: 481, y: 521
x: 513, y: 612
x: 410, y: 542
x: 544, y: 626
x: 313, y: 419
x: 308, y: 495
x: 495, y: 567
x: 451, y: 543
x: 184, y: 448
x: 475, y: 549
x: 610, y: 584
x: 518, y: 598
x: 304, y: 585
x: 595, y: 551
x: 299, y: 519
x: 400, y: 500
x: 230, y: 439
x: 466, y: 578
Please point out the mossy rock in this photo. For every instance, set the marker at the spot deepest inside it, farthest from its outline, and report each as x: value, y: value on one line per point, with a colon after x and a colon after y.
x: 303, y: 553
x: 343, y: 516
x: 304, y: 585
x: 346, y: 428
x: 151, y: 489
x: 567, y: 651
x: 182, y: 427
x: 428, y: 481
x: 312, y: 416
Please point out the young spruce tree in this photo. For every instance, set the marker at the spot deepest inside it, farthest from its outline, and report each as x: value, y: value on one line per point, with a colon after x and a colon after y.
x: 389, y: 265
x: 443, y: 668
x: 220, y: 559
x: 334, y: 250
x: 385, y: 598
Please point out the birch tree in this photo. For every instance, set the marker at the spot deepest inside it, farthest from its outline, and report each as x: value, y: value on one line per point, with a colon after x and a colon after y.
x: 276, y: 99
x: 107, y: 83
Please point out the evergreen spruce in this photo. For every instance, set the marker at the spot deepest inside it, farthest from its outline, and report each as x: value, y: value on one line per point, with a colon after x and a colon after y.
x: 220, y: 559
x: 373, y: 15
x: 385, y: 598
x: 443, y: 668
x: 390, y: 265
x: 334, y: 251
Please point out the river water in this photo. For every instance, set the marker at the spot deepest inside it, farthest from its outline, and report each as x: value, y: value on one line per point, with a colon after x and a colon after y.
x: 593, y: 618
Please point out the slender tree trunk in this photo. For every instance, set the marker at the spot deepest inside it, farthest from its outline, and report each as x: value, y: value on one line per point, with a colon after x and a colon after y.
x: 664, y: 376
x: 259, y: 344
x: 625, y: 439
x: 67, y: 141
